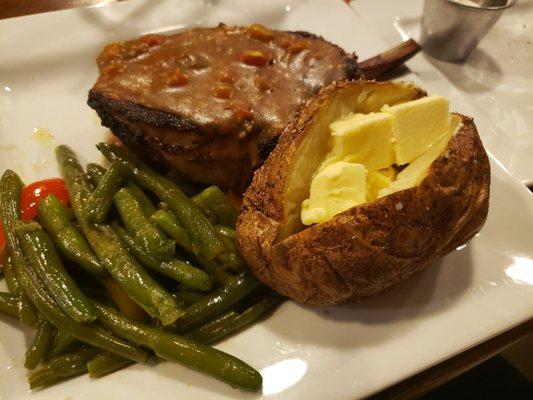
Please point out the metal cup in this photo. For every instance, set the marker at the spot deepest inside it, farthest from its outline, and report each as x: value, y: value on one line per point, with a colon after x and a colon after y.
x: 451, y: 29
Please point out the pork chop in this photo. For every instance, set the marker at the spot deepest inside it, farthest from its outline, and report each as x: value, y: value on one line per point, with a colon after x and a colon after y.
x: 211, y: 102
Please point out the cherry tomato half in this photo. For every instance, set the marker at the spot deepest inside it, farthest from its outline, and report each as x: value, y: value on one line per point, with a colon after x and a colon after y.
x: 32, y: 194
x: 29, y: 201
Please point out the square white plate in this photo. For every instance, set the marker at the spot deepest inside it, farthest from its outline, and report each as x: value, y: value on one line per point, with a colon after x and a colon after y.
x: 47, y: 67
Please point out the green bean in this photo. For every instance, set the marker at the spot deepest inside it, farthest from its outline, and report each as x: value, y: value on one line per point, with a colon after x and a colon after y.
x: 63, y: 367
x: 101, y: 200
x: 205, y: 331
x: 44, y: 260
x: 227, y: 232
x: 11, y: 279
x: 181, y: 182
x: 63, y: 343
x: 176, y: 269
x: 9, y: 304
x: 85, y: 332
x: 176, y: 348
x: 189, y: 297
x: 168, y: 222
x: 95, y: 173
x: 215, y: 200
x: 27, y: 312
x: 146, y: 204
x: 106, y: 363
x: 215, y: 304
x: 209, y: 214
x: 68, y: 240
x: 145, y: 233
x: 232, y: 259
x: 130, y: 275
x: 10, y: 190
x: 203, y: 236
x: 215, y: 332
x: 40, y: 344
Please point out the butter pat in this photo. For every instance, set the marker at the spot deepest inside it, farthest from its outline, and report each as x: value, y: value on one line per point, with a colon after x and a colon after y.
x: 336, y: 188
x: 363, y: 139
x: 416, y: 125
x: 378, y: 180
x: 415, y: 172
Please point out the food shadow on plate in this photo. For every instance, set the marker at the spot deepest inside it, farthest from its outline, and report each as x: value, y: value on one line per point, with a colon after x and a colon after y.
x: 480, y: 72
x: 426, y: 293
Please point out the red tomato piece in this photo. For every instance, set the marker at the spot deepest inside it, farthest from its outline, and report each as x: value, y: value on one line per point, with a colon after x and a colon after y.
x: 32, y: 194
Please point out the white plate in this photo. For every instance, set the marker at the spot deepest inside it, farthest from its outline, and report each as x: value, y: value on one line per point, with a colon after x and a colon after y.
x: 481, y: 290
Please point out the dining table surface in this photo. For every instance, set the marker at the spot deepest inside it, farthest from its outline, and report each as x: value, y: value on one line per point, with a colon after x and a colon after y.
x: 429, y: 379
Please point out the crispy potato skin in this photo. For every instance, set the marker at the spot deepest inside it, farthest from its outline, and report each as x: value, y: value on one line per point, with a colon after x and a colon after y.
x: 368, y: 248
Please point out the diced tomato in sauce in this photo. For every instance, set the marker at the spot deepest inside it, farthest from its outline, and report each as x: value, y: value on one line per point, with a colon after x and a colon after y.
x: 152, y: 39
x: 255, y: 57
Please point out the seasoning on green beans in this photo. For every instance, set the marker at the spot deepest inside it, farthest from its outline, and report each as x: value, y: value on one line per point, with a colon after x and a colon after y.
x: 176, y: 269
x: 189, y: 297
x: 87, y: 333
x: 10, y: 190
x: 137, y: 223
x: 176, y: 348
x: 106, y: 363
x: 211, y: 333
x: 130, y: 275
x: 11, y: 279
x: 203, y: 236
x: 214, y: 202
x: 40, y: 344
x: 63, y: 343
x: 227, y: 232
x: 9, y: 304
x: 45, y: 261
x: 146, y: 204
x: 205, y: 331
x: 168, y: 222
x: 68, y: 240
x: 101, y: 200
x: 215, y: 304
x: 95, y: 173
x: 63, y: 367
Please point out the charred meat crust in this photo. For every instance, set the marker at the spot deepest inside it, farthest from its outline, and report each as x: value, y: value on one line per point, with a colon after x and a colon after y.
x: 135, y: 112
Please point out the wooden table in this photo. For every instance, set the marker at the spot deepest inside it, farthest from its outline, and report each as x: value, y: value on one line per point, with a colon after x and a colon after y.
x: 411, y: 388
x: 16, y: 8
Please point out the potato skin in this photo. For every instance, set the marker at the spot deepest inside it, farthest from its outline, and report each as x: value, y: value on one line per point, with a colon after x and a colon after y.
x: 368, y: 248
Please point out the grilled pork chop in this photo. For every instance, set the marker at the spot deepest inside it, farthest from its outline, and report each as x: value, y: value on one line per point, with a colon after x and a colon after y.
x: 211, y: 102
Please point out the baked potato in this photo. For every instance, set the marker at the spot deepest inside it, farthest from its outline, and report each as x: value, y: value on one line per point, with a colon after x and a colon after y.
x: 368, y: 247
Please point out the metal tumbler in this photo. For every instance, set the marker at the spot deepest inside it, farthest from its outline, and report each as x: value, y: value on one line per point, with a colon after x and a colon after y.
x: 451, y: 29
